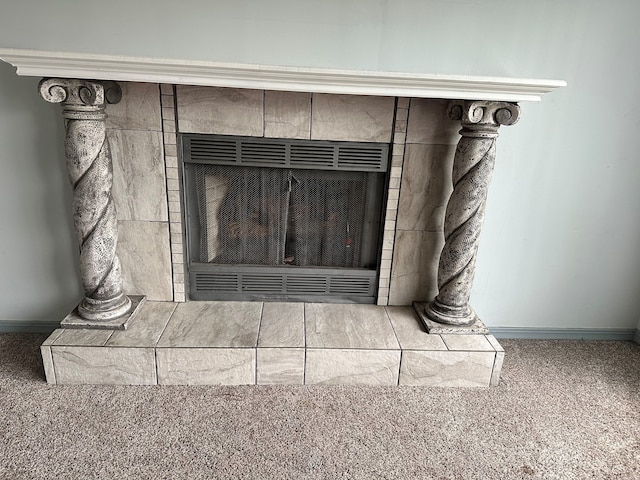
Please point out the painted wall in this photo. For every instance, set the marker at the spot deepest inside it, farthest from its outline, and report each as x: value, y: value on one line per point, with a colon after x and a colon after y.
x: 560, y: 245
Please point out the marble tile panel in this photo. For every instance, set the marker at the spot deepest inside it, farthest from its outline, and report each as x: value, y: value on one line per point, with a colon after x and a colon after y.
x: 52, y: 338
x: 83, y: 337
x: 430, y: 124
x: 348, y: 326
x: 139, y: 108
x: 146, y: 327
x: 282, y: 325
x: 494, y: 343
x: 472, y: 343
x: 145, y: 259
x: 497, y: 369
x: 446, y: 368
x: 47, y: 363
x: 217, y: 110
x: 139, y: 185
x: 351, y: 117
x: 287, y: 114
x: 213, y: 324
x: 410, y: 332
x: 415, y: 266
x: 352, y: 367
x: 104, y: 365
x: 426, y: 187
x: 206, y: 366
x: 280, y: 366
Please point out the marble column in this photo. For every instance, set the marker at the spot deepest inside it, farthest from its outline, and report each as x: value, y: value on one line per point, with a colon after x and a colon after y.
x: 472, y: 170
x: 91, y: 174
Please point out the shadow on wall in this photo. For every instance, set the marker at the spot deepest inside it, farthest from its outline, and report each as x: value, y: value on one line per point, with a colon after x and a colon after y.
x: 39, y: 278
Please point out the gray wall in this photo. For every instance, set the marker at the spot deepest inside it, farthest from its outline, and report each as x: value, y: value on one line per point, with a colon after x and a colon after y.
x: 560, y: 246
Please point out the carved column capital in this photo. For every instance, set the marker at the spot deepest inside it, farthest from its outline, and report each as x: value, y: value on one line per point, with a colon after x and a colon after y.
x: 483, y: 118
x: 81, y: 99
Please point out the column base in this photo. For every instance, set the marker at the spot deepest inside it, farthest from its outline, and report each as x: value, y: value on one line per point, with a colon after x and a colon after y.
x: 75, y: 320
x: 424, y: 312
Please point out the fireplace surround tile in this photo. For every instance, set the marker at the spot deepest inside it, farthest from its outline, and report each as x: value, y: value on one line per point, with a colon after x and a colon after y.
x: 217, y: 110
x: 415, y: 266
x: 426, y: 187
x: 143, y: 249
x: 206, y: 366
x: 410, y: 332
x: 145, y: 331
x: 352, y: 367
x: 282, y: 325
x: 478, y: 343
x: 139, y: 184
x: 348, y: 326
x: 213, y: 324
x: 446, y: 368
x: 351, y: 118
x: 429, y: 123
x: 104, y: 365
x: 287, y: 114
x: 139, y: 108
x: 280, y: 366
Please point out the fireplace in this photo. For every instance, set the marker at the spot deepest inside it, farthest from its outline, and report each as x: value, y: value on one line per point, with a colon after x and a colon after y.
x: 129, y: 156
x: 282, y: 219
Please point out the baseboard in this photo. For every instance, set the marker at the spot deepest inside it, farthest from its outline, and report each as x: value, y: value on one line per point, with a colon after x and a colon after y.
x: 621, y: 334
x: 25, y: 326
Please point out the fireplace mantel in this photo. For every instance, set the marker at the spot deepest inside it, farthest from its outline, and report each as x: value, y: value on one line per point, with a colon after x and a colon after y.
x: 39, y: 63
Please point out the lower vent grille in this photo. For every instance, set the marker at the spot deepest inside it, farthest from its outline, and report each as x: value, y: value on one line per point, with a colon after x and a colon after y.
x: 257, y: 282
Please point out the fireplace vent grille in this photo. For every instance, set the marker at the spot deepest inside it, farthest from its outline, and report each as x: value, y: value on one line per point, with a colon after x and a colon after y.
x: 285, y: 153
x: 258, y: 285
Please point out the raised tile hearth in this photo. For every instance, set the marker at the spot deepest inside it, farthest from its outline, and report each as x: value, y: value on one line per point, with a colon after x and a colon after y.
x: 254, y: 343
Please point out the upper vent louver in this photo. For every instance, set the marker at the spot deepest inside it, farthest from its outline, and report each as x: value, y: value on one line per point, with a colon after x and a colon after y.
x: 285, y: 153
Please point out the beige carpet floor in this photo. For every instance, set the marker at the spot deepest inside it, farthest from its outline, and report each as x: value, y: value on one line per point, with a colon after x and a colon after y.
x: 564, y: 410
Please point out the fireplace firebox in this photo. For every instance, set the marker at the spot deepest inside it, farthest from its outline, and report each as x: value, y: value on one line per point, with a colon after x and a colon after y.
x: 283, y: 219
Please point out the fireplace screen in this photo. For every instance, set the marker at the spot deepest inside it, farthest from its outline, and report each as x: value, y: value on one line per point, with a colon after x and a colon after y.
x: 282, y: 226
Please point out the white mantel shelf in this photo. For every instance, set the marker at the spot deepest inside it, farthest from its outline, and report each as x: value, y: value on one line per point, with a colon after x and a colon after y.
x: 38, y: 63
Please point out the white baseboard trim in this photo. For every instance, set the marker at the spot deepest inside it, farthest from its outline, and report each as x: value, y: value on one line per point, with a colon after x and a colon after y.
x: 621, y: 334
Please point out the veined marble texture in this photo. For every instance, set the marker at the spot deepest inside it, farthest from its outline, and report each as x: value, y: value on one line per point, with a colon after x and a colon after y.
x: 414, y: 269
x: 287, y: 114
x: 446, y: 368
x: 348, y: 326
x: 352, y: 367
x: 218, y: 110
x: 143, y: 249
x: 429, y: 123
x: 213, y: 324
x: 280, y: 366
x: 139, y: 183
x: 146, y: 327
x: 82, y: 337
x: 351, y: 117
x: 104, y: 365
x: 282, y: 325
x: 478, y: 343
x: 426, y: 187
x: 410, y: 332
x: 206, y: 366
x: 139, y: 108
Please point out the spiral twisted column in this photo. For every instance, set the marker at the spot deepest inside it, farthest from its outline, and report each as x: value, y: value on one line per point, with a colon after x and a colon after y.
x: 472, y: 169
x: 91, y: 174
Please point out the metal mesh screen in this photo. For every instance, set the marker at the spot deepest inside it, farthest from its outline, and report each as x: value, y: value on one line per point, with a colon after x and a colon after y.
x: 277, y: 216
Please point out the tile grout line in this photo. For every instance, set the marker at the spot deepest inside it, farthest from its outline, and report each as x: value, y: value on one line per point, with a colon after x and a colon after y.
x: 257, y: 342
x: 304, y: 341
